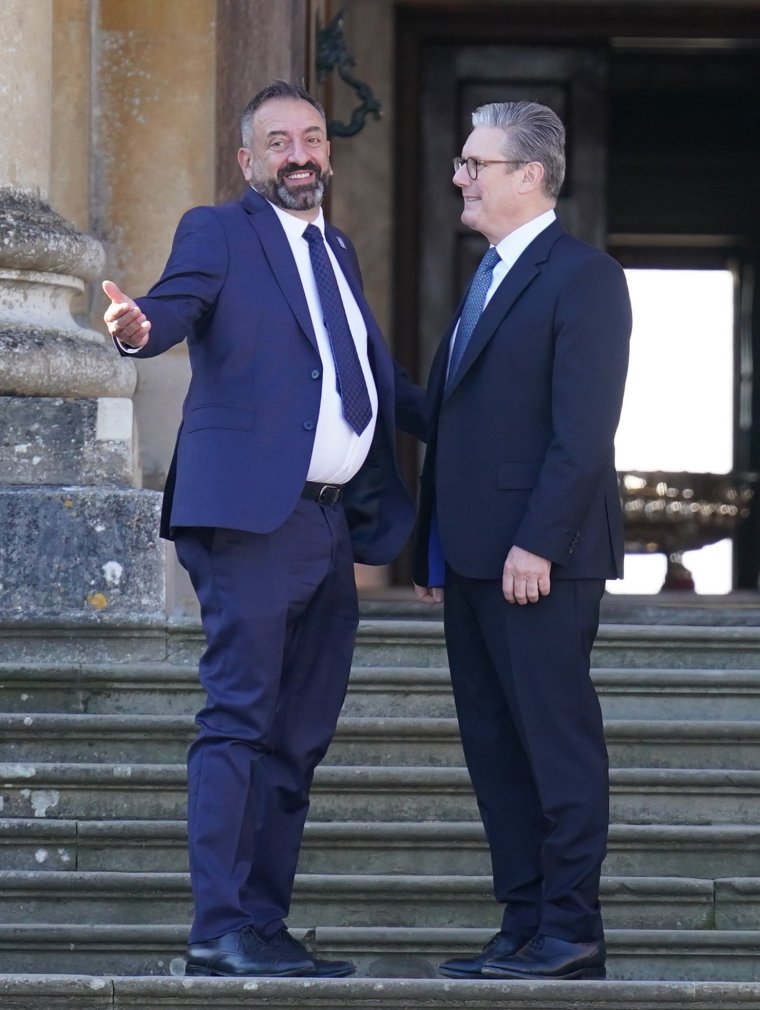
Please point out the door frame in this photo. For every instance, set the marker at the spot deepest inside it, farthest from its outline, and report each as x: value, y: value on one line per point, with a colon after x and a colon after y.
x: 542, y: 23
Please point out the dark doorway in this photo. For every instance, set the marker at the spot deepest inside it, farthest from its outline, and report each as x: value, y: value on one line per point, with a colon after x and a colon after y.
x: 663, y: 116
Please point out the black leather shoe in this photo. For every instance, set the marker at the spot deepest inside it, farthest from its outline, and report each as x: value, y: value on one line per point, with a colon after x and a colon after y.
x: 500, y: 946
x: 243, y: 952
x: 321, y: 968
x: 549, y: 958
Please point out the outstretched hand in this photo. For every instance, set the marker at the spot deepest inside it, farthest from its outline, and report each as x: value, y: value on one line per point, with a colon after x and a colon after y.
x: 124, y: 318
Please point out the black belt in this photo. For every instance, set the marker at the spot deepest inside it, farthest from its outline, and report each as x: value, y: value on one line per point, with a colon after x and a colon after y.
x: 324, y: 494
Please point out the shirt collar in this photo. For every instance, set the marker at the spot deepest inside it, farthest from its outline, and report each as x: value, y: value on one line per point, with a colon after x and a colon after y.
x: 512, y: 245
x: 295, y: 226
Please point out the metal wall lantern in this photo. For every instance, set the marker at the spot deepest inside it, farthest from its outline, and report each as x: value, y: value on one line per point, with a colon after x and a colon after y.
x: 332, y: 52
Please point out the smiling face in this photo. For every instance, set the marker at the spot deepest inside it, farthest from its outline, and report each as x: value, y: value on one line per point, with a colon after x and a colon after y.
x: 288, y: 160
x: 504, y: 196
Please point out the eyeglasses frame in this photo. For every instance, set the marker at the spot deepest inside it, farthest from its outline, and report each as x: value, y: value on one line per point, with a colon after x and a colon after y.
x: 479, y: 163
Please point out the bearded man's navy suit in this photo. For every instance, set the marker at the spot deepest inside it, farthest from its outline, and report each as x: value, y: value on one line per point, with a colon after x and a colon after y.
x: 520, y: 452
x: 231, y: 288
x: 233, y: 502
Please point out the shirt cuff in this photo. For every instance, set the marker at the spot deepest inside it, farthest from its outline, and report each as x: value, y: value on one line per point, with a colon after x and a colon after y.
x: 126, y: 348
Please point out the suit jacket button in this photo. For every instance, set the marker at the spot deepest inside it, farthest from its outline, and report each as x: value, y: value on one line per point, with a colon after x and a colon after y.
x: 316, y: 373
x: 308, y: 425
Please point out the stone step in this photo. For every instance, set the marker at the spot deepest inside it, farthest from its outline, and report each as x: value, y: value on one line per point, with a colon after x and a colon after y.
x: 126, y: 846
x: 370, y: 899
x: 168, y: 689
x: 683, y: 796
x: 159, y: 688
x: 146, y: 792
x: 102, y: 993
x: 624, y: 693
x: 380, y: 642
x: 367, y: 740
x: 97, y: 638
x: 692, y: 693
x: 401, y: 954
x: 420, y: 643
x: 671, y: 743
x: 93, y: 791
x: 737, y: 608
x: 436, y: 847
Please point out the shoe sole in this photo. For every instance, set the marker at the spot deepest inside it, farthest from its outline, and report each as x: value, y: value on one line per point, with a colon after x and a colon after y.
x: 582, y: 974
x: 452, y: 973
x: 201, y: 972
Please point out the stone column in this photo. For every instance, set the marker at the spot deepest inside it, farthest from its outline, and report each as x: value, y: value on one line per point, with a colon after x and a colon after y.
x: 78, y: 538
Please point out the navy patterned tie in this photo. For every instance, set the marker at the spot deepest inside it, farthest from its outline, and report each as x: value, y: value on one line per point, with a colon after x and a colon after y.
x: 473, y: 306
x: 357, y: 408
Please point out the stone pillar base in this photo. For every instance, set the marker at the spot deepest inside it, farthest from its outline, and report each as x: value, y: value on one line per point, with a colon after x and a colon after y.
x: 50, y: 440
x: 77, y: 551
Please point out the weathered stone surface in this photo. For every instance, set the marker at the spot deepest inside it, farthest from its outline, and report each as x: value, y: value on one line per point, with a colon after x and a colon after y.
x: 34, y: 237
x: 24, y: 992
x: 50, y: 440
x: 35, y: 361
x: 84, y: 637
x: 406, y: 994
x: 36, y: 295
x: 52, y: 992
x: 80, y: 550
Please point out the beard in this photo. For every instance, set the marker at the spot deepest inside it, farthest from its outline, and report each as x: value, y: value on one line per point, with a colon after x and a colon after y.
x: 289, y: 197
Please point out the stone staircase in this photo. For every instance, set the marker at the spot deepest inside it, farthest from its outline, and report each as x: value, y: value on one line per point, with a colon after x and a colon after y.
x: 94, y: 896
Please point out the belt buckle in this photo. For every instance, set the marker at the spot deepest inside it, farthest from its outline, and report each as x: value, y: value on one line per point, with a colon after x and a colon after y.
x: 329, y: 495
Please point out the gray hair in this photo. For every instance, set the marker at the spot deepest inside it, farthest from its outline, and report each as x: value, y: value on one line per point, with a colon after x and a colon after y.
x: 277, y: 89
x: 532, y: 133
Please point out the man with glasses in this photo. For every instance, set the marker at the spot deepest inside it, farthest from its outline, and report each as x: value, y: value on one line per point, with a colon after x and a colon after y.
x: 520, y: 525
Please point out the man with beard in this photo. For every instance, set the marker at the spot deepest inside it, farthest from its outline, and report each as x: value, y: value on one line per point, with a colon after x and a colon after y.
x: 283, y: 475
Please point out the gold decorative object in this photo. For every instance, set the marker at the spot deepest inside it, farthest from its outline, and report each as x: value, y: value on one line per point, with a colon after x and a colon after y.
x: 669, y: 513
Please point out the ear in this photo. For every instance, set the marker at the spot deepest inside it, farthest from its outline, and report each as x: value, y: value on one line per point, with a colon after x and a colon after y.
x: 532, y: 176
x: 245, y: 160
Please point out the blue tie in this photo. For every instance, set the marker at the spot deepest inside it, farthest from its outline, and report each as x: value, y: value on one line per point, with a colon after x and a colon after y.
x: 354, y: 396
x: 473, y: 306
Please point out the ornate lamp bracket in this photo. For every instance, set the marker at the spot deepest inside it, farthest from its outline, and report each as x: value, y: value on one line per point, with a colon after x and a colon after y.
x: 332, y: 52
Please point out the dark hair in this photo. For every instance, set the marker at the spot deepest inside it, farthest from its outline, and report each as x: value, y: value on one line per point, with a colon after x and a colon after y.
x: 277, y: 89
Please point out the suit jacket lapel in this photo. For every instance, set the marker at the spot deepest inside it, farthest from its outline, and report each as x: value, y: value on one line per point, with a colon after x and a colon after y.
x: 277, y: 250
x: 527, y: 267
x: 348, y: 266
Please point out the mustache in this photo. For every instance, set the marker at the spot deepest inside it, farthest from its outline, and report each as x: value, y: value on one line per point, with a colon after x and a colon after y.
x: 311, y: 166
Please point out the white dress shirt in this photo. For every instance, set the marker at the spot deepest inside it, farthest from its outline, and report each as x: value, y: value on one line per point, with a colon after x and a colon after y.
x: 510, y: 249
x: 338, y: 451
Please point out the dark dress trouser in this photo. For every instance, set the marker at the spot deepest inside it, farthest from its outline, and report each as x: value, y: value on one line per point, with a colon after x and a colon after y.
x: 279, y: 613
x: 533, y: 740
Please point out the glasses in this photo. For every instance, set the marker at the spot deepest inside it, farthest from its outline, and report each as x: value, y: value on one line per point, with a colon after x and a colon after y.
x: 474, y: 165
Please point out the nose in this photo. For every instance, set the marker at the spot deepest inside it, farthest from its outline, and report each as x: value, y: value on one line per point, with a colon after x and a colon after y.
x: 299, y: 152
x: 461, y: 178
